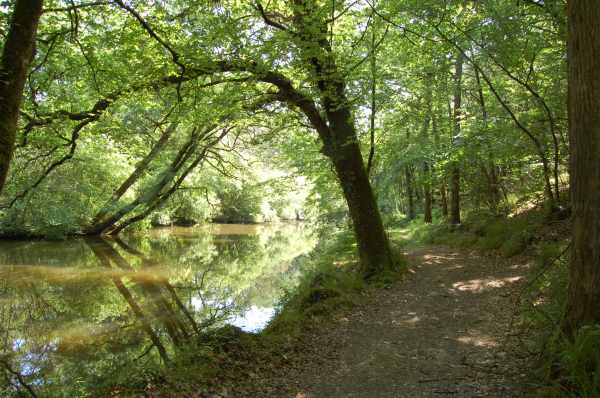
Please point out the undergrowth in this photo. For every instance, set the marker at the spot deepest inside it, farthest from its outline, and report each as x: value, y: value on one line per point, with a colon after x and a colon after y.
x: 333, y: 282
x: 480, y: 230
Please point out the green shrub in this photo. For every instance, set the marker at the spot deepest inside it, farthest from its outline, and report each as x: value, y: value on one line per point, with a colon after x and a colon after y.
x: 577, y: 372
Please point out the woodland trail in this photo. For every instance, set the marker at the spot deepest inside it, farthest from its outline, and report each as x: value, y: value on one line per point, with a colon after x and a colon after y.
x: 441, y: 332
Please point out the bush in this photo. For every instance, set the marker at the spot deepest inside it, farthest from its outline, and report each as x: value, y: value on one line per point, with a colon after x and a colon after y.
x: 577, y: 372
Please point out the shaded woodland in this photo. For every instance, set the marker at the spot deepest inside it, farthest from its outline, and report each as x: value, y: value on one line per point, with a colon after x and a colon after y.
x: 475, y: 121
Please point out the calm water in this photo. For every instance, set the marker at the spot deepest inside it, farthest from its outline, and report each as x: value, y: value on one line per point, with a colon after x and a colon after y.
x: 76, y: 313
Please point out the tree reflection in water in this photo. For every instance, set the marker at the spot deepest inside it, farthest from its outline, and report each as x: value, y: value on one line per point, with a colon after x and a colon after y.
x: 78, y: 314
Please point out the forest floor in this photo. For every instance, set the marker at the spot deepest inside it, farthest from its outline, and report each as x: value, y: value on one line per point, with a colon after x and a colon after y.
x: 444, y: 331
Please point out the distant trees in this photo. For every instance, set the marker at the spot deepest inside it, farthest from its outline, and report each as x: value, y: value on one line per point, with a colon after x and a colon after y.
x: 583, y: 306
x: 17, y: 55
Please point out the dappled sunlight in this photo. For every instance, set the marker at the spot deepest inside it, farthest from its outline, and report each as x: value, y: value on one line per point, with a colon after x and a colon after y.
x: 520, y: 266
x: 478, y: 341
x: 481, y: 285
x: 412, y: 321
x: 404, y: 319
x: 436, y: 259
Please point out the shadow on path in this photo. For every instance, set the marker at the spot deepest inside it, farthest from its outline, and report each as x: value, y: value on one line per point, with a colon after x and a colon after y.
x: 440, y: 333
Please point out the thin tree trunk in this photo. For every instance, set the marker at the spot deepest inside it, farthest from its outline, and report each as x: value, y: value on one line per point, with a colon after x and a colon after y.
x: 17, y: 55
x: 149, y: 196
x: 373, y: 92
x: 491, y: 175
x: 428, y: 202
x: 410, y: 197
x: 444, y: 200
x: 140, y: 168
x: 427, y: 194
x: 539, y: 146
x: 583, y: 304
x: 455, y: 195
x: 455, y: 167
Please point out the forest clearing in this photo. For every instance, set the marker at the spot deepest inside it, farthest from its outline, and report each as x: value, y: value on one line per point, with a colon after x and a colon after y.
x: 300, y: 198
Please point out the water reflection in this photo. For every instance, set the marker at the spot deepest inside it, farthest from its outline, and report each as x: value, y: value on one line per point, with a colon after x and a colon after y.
x: 74, y: 314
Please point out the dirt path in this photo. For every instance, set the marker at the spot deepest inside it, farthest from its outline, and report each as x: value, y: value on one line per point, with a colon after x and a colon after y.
x: 442, y: 332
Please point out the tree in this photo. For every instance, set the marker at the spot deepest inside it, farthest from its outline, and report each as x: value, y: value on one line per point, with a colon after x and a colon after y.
x: 336, y: 128
x: 583, y: 307
x: 456, y: 141
x: 17, y: 54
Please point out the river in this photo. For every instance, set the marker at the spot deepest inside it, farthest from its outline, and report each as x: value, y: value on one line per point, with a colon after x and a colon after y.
x: 74, y: 312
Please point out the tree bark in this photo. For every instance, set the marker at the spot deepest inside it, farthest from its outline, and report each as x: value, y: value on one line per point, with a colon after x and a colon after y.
x: 427, y: 203
x: 410, y: 197
x: 444, y: 200
x: 491, y: 175
x: 339, y: 136
x: 373, y: 246
x: 18, y: 52
x: 139, y: 171
x: 157, y: 192
x: 455, y: 167
x: 427, y: 121
x: 583, y: 305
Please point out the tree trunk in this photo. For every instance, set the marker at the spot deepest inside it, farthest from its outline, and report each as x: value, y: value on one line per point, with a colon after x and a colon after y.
x: 444, y: 200
x: 410, y: 197
x: 373, y: 246
x: 338, y: 134
x: 18, y: 52
x: 427, y: 214
x: 583, y: 305
x: 139, y: 171
x: 491, y: 175
x: 455, y: 167
x: 427, y: 121
x: 157, y: 192
x: 455, y: 195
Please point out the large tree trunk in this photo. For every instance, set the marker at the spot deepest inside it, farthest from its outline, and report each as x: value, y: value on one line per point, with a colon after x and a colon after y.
x: 18, y: 52
x: 583, y: 306
x: 455, y: 167
x: 339, y: 136
x: 373, y: 246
